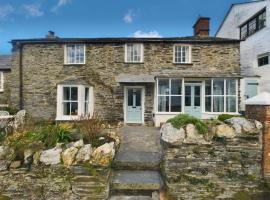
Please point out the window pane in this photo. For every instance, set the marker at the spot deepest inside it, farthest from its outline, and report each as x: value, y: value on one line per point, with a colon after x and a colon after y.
x: 263, y: 61
x: 176, y: 86
x: 86, y: 95
x: 252, y: 26
x: 197, y: 101
x: 176, y: 104
x: 262, y: 20
x: 243, y: 31
x: 163, y: 104
x: 208, y: 87
x: 138, y: 97
x: 230, y: 104
x: 197, y: 96
x: 218, y: 104
x: 163, y: 86
x: 66, y: 93
x: 218, y: 87
x: 66, y: 108
x: 231, y: 87
x: 130, y: 97
x: 74, y: 108
x: 187, y: 95
x: 86, y: 107
x: 74, y: 93
x: 208, y: 104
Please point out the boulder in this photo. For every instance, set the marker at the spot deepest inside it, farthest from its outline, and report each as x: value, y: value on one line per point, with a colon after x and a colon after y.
x: 51, y: 156
x: 84, y: 154
x: 224, y: 130
x: 6, y: 153
x: 78, y: 144
x: 28, y: 156
x: 68, y: 156
x: 172, y: 135
x: 247, y: 126
x: 15, y: 164
x: 192, y: 135
x: 3, y: 165
x: 103, y: 155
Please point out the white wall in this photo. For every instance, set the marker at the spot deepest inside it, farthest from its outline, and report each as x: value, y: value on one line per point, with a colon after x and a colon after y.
x: 254, y: 45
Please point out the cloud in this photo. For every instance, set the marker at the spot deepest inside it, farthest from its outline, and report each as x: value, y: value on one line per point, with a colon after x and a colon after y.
x: 5, y: 11
x: 60, y: 4
x: 33, y: 10
x: 129, y: 16
x: 150, y: 34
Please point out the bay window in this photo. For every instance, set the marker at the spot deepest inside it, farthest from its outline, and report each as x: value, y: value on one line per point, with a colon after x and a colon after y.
x: 73, y: 101
x: 75, y: 54
x: 169, y: 95
x: 221, y: 95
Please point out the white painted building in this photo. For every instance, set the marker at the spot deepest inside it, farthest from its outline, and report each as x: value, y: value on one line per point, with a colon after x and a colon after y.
x: 250, y: 22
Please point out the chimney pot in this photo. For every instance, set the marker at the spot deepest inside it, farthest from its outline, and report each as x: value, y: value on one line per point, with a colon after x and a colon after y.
x: 201, y: 27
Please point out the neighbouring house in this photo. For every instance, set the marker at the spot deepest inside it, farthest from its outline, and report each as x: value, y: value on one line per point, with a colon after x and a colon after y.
x: 135, y: 80
x: 5, y: 64
x: 250, y: 22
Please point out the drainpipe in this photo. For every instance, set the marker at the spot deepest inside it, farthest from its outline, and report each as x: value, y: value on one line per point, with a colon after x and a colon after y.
x: 21, y: 77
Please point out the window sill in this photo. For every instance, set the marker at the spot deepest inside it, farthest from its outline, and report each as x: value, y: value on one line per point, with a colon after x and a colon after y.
x: 220, y: 113
x: 175, y: 63
x: 67, y: 118
x: 134, y: 62
x: 168, y: 113
x: 75, y: 64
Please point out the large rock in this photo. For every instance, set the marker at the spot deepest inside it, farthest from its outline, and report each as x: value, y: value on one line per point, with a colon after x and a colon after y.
x: 84, y: 154
x: 15, y: 164
x: 4, y: 165
x: 51, y: 156
x: 6, y: 153
x: 103, y: 155
x: 192, y: 135
x: 224, y: 130
x: 243, y: 125
x: 172, y: 135
x: 78, y: 144
x: 68, y: 156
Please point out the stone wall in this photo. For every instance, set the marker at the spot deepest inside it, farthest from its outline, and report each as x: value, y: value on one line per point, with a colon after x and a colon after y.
x: 225, y: 169
x: 5, y: 96
x: 43, y: 69
x: 55, y: 182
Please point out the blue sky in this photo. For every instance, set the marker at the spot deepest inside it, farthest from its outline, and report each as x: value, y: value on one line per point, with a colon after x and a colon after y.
x: 105, y: 18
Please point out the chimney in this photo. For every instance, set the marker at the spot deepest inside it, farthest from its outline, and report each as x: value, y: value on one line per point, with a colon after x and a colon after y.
x: 51, y: 35
x: 201, y: 27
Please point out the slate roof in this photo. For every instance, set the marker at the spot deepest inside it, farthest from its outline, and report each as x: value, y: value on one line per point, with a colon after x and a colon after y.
x: 5, y: 62
x: 189, y: 39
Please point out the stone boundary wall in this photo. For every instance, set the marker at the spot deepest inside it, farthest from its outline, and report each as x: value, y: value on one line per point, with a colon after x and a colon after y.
x: 55, y: 182
x: 225, y: 169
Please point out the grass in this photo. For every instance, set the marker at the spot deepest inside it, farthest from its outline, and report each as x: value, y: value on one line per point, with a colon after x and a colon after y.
x: 182, y: 120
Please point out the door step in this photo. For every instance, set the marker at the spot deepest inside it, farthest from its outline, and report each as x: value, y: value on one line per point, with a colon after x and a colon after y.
x: 136, y: 180
x: 135, y: 160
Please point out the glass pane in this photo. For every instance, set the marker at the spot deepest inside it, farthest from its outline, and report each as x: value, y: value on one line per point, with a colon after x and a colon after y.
x: 244, y: 31
x: 130, y: 97
x: 197, y: 90
x: 187, y: 95
x: 138, y: 97
x: 252, y: 26
x: 66, y: 108
x: 208, y: 104
x: 176, y: 104
x: 208, y: 87
x: 218, y: 104
x: 163, y: 104
x: 231, y: 104
x: 163, y: 86
x: 176, y: 86
x: 86, y: 107
x: 66, y: 93
x: 231, y: 86
x: 86, y: 97
x: 197, y: 101
x: 74, y: 93
x: 218, y: 86
x: 74, y: 108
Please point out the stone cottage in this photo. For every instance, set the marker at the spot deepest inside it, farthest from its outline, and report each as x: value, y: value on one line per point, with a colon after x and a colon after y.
x: 134, y: 80
x: 5, y: 63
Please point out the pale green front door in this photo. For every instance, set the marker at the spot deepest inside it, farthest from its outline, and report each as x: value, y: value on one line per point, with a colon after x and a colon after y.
x: 251, y: 88
x: 134, y: 105
x: 193, y: 100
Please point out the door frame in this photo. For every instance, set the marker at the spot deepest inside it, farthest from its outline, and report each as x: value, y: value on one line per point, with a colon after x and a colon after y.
x: 126, y: 100
x: 194, y: 84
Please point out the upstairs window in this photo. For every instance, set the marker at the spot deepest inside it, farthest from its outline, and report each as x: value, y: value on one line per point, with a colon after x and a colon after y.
x: 263, y: 59
x: 134, y: 53
x: 75, y: 54
x: 182, y: 54
x: 253, y: 25
x: 1, y: 82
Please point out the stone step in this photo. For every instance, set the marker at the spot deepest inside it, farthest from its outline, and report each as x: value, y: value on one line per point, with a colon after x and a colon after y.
x: 122, y: 197
x: 136, y: 180
x: 136, y: 160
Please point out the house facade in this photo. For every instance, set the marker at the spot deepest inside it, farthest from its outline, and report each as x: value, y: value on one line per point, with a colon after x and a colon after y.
x: 134, y: 80
x: 5, y: 64
x: 250, y: 22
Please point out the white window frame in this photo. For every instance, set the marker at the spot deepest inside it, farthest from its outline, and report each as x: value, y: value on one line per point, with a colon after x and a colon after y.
x: 158, y: 95
x: 224, y: 96
x: 189, y: 54
x: 75, y: 63
x: 81, y: 102
x: 141, y: 56
x: 2, y: 81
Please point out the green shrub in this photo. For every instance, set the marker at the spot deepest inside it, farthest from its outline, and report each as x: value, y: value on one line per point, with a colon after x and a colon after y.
x: 12, y: 111
x: 182, y: 120
x: 224, y: 117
